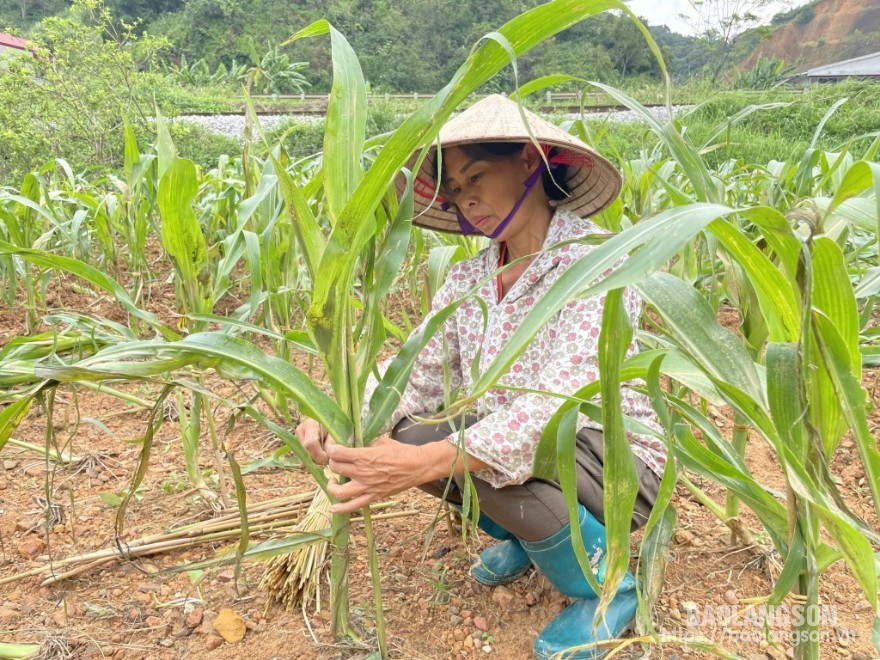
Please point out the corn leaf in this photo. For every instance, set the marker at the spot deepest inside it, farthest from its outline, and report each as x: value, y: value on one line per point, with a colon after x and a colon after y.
x: 693, y: 324
x: 621, y: 483
x: 836, y: 359
x: 90, y: 274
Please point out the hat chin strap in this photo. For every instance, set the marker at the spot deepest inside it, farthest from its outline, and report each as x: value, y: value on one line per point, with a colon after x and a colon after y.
x: 468, y: 229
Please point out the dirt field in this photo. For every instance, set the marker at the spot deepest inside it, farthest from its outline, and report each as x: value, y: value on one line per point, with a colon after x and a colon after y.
x: 132, y: 610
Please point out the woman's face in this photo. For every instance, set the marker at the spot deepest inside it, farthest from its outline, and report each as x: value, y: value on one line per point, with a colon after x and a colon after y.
x: 485, y: 191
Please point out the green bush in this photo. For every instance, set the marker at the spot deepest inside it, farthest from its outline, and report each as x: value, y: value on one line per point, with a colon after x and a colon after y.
x: 73, y: 99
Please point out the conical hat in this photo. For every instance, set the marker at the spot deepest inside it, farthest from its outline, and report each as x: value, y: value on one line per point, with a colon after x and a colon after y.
x: 592, y: 180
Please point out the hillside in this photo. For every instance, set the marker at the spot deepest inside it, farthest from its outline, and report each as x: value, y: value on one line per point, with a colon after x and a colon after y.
x: 823, y: 32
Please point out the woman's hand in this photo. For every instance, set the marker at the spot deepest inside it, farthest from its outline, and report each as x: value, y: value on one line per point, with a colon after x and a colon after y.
x: 313, y: 436
x: 376, y: 472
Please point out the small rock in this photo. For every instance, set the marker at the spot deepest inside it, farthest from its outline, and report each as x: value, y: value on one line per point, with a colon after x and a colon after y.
x: 7, y: 616
x: 226, y: 576
x: 31, y: 548
x: 167, y: 642
x: 468, y: 642
x: 730, y: 597
x: 194, y: 618
x: 35, y: 470
x: 455, y: 620
x: 14, y: 596
x: 531, y: 599
x: 10, y: 464
x: 466, y: 613
x: 2, y: 484
x: 684, y: 537
x: 487, y: 649
x: 502, y: 596
x: 480, y: 623
x: 213, y: 642
x: 154, y: 621
x: 230, y: 626
x: 117, y: 638
x: 860, y: 655
x: 459, y: 635
x: 148, y: 588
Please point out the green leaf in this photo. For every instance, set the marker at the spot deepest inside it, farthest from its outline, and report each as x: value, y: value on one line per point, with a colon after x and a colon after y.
x: 832, y: 297
x: 654, y: 553
x: 620, y: 477
x: 387, y: 394
x: 90, y: 274
x: 544, y: 82
x: 11, y: 416
x: 795, y: 564
x: 306, y: 228
x: 182, y: 236
x: 693, y: 324
x: 345, y: 127
x: 776, y: 296
x: 852, y: 399
x: 110, y: 499
x: 784, y: 381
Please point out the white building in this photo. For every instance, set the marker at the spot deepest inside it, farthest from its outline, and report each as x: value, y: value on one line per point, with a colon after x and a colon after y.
x: 866, y: 66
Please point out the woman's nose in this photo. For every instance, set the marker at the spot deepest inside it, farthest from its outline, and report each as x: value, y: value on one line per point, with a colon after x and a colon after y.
x: 468, y: 198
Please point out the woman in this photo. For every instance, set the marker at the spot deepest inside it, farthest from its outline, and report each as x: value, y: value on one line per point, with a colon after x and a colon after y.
x: 493, y: 180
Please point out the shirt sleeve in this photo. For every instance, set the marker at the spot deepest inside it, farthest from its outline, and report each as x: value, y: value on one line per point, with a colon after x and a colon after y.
x: 507, y: 439
x: 437, y: 369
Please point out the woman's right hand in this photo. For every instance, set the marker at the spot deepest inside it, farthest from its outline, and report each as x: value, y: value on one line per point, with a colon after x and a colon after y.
x: 312, y: 436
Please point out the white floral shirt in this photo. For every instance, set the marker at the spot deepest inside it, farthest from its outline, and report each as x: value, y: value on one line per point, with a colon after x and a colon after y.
x: 561, y: 358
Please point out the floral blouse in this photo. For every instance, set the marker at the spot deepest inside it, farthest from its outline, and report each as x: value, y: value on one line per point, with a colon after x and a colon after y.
x: 562, y: 357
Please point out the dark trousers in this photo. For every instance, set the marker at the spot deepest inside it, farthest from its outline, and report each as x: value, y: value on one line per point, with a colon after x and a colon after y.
x: 536, y: 509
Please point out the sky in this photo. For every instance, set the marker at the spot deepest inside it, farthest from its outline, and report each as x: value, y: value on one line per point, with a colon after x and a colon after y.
x: 665, y: 12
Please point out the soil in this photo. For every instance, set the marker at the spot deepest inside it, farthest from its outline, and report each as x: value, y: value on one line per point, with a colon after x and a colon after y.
x: 827, y: 38
x: 135, y: 610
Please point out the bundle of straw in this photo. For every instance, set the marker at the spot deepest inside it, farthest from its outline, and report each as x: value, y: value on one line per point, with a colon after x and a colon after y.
x: 294, y: 579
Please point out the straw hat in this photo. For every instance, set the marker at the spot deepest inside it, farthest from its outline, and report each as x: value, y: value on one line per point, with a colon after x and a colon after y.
x: 592, y: 180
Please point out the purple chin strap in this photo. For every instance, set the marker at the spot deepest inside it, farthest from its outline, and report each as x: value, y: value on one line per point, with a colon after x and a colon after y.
x: 467, y: 228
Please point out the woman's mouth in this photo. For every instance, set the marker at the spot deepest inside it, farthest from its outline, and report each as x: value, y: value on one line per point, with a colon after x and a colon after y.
x: 479, y: 221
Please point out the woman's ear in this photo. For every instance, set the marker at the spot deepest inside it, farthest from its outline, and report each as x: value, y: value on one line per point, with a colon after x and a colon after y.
x: 531, y: 158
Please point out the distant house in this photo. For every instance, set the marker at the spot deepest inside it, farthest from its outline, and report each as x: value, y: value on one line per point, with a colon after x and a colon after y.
x: 866, y: 66
x: 10, y: 44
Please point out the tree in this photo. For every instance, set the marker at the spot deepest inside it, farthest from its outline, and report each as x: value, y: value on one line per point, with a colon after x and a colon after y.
x: 719, y: 22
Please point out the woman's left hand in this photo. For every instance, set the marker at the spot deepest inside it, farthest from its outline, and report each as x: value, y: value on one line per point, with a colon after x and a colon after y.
x: 384, y: 468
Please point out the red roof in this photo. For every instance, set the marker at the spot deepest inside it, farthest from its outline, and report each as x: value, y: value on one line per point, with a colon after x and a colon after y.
x: 13, y: 42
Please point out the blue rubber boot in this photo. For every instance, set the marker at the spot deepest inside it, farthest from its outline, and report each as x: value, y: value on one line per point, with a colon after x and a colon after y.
x: 502, y: 563
x: 555, y: 557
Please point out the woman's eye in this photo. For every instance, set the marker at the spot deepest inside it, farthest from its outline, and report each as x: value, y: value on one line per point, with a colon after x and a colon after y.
x: 474, y: 178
